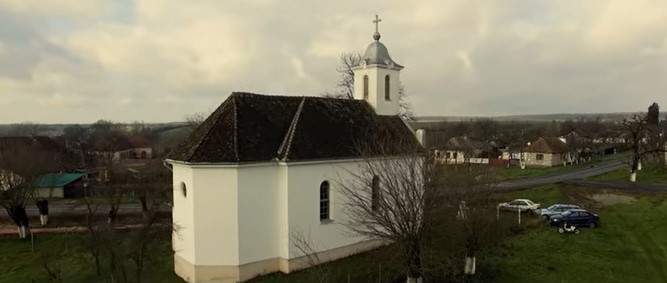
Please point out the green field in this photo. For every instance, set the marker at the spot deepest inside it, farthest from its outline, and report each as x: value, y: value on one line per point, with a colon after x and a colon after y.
x: 516, y: 172
x: 629, y: 246
x: 66, y: 254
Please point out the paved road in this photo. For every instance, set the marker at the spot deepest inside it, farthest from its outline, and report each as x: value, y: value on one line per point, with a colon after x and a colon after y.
x: 578, y: 174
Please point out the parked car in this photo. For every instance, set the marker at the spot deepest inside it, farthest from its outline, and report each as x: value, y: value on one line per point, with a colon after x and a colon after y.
x: 520, y: 204
x: 556, y: 209
x: 577, y: 217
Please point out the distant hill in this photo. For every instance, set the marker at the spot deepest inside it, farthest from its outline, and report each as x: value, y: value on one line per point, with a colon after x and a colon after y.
x: 53, y: 130
x: 607, y: 117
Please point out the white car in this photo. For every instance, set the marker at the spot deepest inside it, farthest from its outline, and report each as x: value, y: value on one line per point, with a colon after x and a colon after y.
x: 520, y: 204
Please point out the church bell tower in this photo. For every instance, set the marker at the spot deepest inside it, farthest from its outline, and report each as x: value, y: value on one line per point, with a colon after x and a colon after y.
x: 376, y: 78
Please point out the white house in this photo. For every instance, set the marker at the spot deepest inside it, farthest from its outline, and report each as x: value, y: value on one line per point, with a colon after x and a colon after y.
x: 460, y: 150
x: 546, y: 152
x: 263, y: 167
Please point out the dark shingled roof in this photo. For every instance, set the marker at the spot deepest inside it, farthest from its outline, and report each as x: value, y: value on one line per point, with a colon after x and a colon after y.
x: 465, y: 143
x: 547, y: 145
x: 251, y: 127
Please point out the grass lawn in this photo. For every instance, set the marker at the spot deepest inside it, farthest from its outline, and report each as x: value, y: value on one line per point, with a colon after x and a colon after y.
x: 19, y: 264
x: 517, y: 172
x: 367, y: 267
x: 630, y: 246
x: 652, y: 174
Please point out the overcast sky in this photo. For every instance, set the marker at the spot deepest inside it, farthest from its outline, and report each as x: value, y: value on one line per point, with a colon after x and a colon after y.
x: 159, y: 60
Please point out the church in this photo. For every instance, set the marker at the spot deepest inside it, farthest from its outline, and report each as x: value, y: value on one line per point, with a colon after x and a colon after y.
x: 262, y: 167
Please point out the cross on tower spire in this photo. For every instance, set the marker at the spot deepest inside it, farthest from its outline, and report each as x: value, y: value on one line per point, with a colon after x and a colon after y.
x: 377, y: 21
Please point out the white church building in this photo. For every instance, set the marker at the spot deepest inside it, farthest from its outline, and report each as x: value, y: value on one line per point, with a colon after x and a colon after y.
x: 263, y: 167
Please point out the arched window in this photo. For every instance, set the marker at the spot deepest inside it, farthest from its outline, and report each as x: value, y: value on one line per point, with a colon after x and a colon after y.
x: 375, y: 193
x: 184, y: 190
x: 324, y: 201
x: 386, y: 88
x: 365, y: 87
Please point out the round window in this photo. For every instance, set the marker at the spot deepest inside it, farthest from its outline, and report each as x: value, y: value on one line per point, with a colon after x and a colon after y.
x: 184, y: 190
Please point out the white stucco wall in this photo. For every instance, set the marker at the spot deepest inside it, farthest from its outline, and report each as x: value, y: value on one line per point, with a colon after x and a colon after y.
x: 55, y: 192
x: 207, y: 217
x: 183, y: 213
x: 303, y: 201
x: 550, y: 159
x: 238, y: 214
x: 215, y: 194
x: 376, y: 97
x: 262, y: 215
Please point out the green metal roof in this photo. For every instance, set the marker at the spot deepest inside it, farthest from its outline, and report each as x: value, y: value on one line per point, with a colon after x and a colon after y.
x: 53, y: 180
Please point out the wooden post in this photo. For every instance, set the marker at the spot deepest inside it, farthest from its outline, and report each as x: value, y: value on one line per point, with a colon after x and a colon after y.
x: 519, y: 210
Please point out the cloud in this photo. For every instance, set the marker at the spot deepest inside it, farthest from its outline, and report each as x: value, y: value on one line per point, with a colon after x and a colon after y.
x: 159, y: 60
x: 74, y: 8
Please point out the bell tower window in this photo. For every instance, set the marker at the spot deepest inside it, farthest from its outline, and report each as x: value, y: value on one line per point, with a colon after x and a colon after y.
x: 365, y: 87
x: 387, y: 97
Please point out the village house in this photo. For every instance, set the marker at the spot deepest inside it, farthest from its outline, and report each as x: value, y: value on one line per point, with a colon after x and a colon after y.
x: 459, y: 150
x: 263, y: 167
x: 546, y: 152
x: 60, y: 185
x: 580, y: 147
x: 127, y: 150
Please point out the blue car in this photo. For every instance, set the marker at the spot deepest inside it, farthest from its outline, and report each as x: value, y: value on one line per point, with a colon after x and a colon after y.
x: 556, y: 209
x: 576, y: 217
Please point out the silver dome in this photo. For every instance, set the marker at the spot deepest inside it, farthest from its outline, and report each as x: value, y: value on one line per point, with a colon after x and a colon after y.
x: 376, y: 53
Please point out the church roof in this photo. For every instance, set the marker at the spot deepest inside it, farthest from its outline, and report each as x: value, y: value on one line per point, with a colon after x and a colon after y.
x: 377, y: 53
x: 251, y: 127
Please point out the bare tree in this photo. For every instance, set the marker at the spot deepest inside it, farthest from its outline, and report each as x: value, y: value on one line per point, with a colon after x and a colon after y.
x: 345, y: 84
x: 19, y: 171
x: 194, y: 120
x: 390, y: 199
x: 304, y: 244
x: 346, y: 81
x: 473, y: 224
x: 125, y: 248
x: 94, y: 241
x: 638, y: 132
x: 404, y: 105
